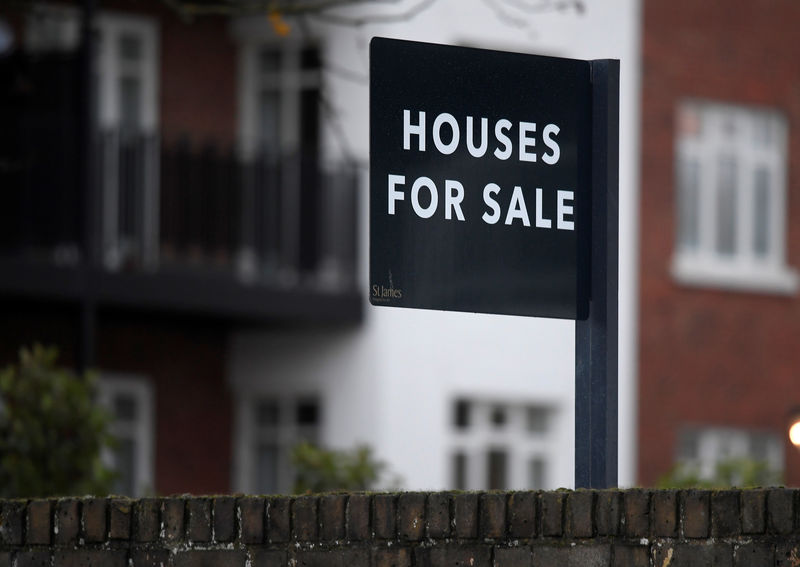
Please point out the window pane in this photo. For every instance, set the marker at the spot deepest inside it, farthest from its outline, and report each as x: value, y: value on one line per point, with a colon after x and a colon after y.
x: 307, y: 413
x: 462, y: 414
x: 498, y: 468
x: 688, y: 445
x: 130, y: 47
x: 762, y: 131
x: 309, y: 58
x: 688, y: 204
x: 266, y: 469
x: 130, y: 94
x: 124, y: 463
x: 269, y: 122
x: 269, y: 61
x: 498, y: 416
x: 536, y: 469
x: 267, y: 414
x: 761, y: 208
x: 125, y: 408
x: 537, y: 418
x: 726, y: 205
x: 459, y: 471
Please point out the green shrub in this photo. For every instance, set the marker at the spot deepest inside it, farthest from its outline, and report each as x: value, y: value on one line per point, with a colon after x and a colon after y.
x: 51, y: 431
x: 323, y: 470
x: 741, y: 473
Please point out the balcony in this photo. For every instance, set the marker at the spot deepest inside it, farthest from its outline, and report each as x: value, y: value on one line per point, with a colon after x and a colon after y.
x: 171, y: 227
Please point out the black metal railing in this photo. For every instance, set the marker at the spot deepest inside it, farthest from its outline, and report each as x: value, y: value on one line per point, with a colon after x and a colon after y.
x: 267, y: 219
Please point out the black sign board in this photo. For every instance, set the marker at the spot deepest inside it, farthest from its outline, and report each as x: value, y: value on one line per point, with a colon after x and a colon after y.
x: 480, y: 174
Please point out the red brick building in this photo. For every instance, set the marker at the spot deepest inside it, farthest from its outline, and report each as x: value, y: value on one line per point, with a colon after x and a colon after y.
x: 156, y: 197
x: 720, y: 235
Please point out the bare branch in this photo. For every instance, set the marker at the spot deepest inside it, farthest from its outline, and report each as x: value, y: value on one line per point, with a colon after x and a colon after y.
x: 403, y: 16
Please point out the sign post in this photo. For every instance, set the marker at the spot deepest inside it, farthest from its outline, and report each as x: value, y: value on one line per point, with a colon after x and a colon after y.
x: 493, y: 189
x: 596, y: 414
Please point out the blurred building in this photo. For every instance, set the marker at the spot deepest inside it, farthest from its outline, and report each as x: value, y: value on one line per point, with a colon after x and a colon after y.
x: 181, y: 212
x: 720, y: 211
x: 155, y: 201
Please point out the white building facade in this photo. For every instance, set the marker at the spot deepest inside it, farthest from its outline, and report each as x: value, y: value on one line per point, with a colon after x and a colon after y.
x: 447, y: 400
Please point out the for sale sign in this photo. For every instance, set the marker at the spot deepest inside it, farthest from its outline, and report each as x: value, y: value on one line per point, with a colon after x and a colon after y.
x: 480, y: 174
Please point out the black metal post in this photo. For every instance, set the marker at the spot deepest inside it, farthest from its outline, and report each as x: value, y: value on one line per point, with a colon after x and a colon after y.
x: 596, y: 338
x: 87, y: 185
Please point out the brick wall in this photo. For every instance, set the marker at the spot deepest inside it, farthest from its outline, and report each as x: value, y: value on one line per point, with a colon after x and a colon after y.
x: 711, y: 357
x: 532, y: 529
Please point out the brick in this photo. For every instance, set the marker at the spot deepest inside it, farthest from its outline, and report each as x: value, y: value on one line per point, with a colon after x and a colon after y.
x: 269, y: 558
x: 753, y: 555
x: 725, y: 513
x: 119, y: 518
x: 551, y: 505
x: 608, y: 512
x: 780, y: 511
x: 579, y: 507
x: 67, y: 521
x: 150, y: 557
x: 5, y: 560
x: 664, y: 505
x: 224, y: 518
x: 12, y: 521
x: 636, y: 506
x: 546, y: 555
x: 465, y: 516
x: 391, y: 557
x: 383, y: 516
x: 357, y: 523
x: 173, y: 517
x: 411, y: 516
x: 210, y: 558
x: 590, y: 556
x: 331, y: 558
x: 94, y: 512
x: 90, y: 558
x: 696, y: 513
x: 573, y: 556
x: 694, y: 555
x: 437, y: 511
x: 522, y: 515
x: 512, y: 557
x: 252, y: 511
x: 631, y: 556
x: 30, y: 559
x: 492, y: 516
x: 453, y: 556
x: 279, y: 519
x: 753, y: 505
x: 146, y: 525
x: 199, y: 526
x: 304, y: 518
x: 332, y: 510
x: 39, y: 524
x: 787, y: 554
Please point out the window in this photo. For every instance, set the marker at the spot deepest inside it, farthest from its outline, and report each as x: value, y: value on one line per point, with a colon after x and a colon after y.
x: 731, y: 198
x: 129, y: 400
x: 127, y: 92
x: 270, y: 429
x: 500, y: 446
x: 703, y: 449
x: 279, y: 132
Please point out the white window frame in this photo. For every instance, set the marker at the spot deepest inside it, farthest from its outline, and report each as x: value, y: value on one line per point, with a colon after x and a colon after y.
x: 716, y: 444
x: 289, y: 82
x: 110, y: 69
x: 142, y: 431
x: 248, y: 436
x: 521, y: 445
x: 703, y: 265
